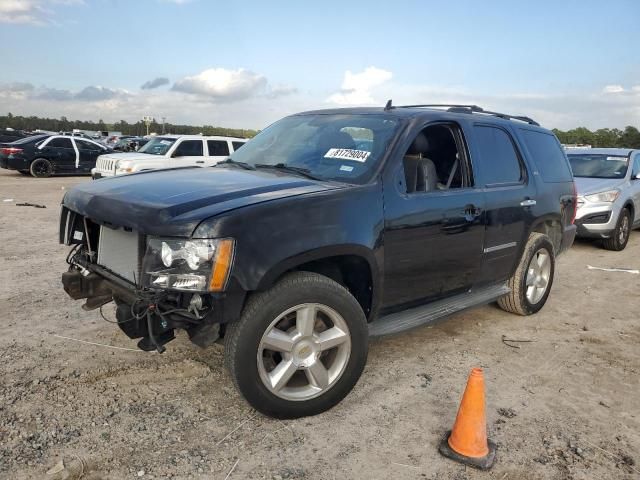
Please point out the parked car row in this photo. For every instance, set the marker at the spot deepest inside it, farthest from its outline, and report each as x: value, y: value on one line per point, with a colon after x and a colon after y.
x: 46, y: 155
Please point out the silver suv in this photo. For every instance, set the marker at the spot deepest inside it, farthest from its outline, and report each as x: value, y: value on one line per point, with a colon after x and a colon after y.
x: 608, y: 184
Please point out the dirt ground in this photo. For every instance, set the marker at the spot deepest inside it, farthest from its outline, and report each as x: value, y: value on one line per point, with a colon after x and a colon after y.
x: 564, y: 406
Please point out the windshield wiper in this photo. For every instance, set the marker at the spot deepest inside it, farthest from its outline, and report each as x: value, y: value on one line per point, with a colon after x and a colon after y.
x: 230, y: 161
x: 305, y: 172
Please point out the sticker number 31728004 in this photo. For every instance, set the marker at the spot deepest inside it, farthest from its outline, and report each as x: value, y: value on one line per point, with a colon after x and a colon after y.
x: 348, y: 154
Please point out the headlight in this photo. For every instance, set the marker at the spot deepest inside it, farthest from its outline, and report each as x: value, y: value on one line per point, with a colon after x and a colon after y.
x: 193, y: 265
x: 603, y: 197
x: 124, y: 167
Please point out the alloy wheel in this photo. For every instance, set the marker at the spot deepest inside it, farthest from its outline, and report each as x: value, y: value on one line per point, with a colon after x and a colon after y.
x: 538, y: 275
x: 304, y: 352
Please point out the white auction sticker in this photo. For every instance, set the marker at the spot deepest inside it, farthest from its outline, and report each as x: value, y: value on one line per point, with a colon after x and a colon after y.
x: 348, y: 154
x: 617, y: 159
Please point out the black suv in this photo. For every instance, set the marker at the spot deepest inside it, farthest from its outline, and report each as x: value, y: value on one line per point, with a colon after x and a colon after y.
x: 327, y: 228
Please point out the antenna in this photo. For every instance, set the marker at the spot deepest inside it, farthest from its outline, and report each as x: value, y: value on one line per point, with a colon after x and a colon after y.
x: 388, y: 106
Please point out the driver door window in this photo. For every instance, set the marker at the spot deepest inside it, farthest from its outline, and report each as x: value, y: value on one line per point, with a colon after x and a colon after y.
x: 437, y: 161
x: 636, y: 167
x: 188, y: 152
x: 189, y: 148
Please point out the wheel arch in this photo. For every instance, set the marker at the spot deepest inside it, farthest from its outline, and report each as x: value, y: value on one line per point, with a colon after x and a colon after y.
x: 631, y: 207
x: 551, y: 226
x: 352, y: 266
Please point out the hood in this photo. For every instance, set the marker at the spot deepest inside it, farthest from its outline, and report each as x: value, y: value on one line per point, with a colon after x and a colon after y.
x: 587, y: 186
x: 173, y: 202
x: 130, y: 156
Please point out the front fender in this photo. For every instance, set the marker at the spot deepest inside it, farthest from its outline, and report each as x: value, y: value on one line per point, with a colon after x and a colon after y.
x: 278, y: 235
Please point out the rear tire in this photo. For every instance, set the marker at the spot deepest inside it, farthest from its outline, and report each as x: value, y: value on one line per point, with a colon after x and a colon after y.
x: 41, y: 168
x: 531, y: 283
x: 620, y: 237
x: 319, y: 365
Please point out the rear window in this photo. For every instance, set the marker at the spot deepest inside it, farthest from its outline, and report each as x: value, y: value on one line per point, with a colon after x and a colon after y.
x: 60, y: 143
x: 35, y: 138
x: 218, y: 148
x: 500, y: 159
x: 548, y: 155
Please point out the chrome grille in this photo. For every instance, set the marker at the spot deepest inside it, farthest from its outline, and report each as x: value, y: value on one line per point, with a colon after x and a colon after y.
x: 105, y: 166
x: 119, y: 251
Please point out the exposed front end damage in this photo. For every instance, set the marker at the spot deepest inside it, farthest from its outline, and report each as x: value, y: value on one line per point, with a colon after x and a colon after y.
x: 149, y: 314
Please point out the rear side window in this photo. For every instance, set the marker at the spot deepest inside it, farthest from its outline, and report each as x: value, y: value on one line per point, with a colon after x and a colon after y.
x: 548, y: 155
x: 237, y: 145
x: 189, y: 148
x: 60, y: 143
x: 500, y: 160
x: 218, y: 148
x: 88, y: 145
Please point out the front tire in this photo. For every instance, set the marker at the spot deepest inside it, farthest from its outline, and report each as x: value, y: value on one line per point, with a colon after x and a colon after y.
x: 299, y: 347
x: 41, y: 168
x: 620, y: 237
x: 531, y: 283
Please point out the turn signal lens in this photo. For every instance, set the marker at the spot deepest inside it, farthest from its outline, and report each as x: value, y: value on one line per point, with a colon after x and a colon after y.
x: 222, y: 265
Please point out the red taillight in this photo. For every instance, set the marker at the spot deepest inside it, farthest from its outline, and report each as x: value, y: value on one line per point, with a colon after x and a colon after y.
x: 575, y: 204
x: 10, y: 150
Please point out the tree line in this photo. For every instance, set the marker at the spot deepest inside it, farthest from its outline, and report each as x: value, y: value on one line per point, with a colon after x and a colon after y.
x: 604, y: 137
x: 63, y: 124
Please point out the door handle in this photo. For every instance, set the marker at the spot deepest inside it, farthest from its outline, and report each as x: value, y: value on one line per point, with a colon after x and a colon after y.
x: 199, y: 161
x: 528, y: 203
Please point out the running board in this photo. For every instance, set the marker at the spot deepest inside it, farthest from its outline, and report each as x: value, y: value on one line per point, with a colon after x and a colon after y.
x: 415, y: 317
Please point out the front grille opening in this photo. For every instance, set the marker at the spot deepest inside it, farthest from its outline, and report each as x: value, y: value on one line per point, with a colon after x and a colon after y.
x: 119, y: 251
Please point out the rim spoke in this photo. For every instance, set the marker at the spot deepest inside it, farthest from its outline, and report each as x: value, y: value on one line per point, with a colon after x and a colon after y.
x: 280, y: 376
x: 305, y: 320
x: 318, y: 375
x: 331, y: 338
x: 278, y: 341
x: 531, y: 277
x: 541, y: 260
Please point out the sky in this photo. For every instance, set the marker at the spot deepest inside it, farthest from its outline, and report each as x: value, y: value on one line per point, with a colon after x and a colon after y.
x: 245, y: 64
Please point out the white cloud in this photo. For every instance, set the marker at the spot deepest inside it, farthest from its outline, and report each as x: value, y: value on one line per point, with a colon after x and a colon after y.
x: 613, y: 89
x: 222, y: 84
x: 31, y: 12
x: 357, y: 87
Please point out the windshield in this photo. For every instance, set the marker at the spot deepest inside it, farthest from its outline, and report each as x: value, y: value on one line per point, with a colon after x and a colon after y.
x: 593, y: 165
x: 158, y: 146
x: 333, y: 147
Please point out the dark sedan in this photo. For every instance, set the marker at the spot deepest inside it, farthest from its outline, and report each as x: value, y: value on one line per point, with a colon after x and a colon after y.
x: 46, y: 155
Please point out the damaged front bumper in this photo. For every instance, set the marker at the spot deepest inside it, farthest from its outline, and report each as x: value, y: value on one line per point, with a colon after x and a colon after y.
x: 151, y: 315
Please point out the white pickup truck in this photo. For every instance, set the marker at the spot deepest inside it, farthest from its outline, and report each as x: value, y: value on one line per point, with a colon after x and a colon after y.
x: 168, y: 151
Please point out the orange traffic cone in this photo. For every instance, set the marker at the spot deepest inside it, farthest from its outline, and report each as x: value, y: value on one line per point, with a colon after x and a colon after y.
x: 468, y: 443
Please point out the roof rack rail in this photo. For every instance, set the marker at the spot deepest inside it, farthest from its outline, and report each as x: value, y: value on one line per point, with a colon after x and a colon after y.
x: 460, y: 108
